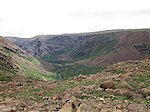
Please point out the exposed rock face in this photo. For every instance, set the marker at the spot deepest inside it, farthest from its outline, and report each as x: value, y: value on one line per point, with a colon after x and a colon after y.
x: 100, y: 46
x: 6, y: 62
x: 6, y: 48
x: 44, y: 46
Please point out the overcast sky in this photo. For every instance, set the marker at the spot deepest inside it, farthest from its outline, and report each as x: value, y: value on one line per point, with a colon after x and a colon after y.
x: 27, y: 18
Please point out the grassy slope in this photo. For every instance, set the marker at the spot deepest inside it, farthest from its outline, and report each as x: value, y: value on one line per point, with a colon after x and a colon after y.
x: 15, y: 62
x: 31, y: 68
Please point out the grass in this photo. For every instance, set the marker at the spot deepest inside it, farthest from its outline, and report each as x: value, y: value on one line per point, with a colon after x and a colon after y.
x: 31, y: 68
x: 137, y: 79
x: 36, y: 74
x: 6, y: 75
x: 65, y: 71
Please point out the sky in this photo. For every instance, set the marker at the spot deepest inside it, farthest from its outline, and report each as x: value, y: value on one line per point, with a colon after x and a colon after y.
x: 27, y: 18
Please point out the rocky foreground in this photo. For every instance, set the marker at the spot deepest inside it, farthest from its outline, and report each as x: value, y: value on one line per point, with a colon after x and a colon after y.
x: 123, y: 87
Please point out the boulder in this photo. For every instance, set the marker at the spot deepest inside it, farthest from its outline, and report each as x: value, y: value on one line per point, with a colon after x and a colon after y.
x: 145, y: 92
x: 7, y: 109
x: 86, y: 108
x: 117, y: 110
x: 109, y: 84
x: 66, y: 98
x: 109, y: 90
x: 68, y: 107
x: 141, y: 85
x: 34, y: 111
x: 105, y: 110
x: 126, y: 85
x: 124, y: 92
x: 136, y: 107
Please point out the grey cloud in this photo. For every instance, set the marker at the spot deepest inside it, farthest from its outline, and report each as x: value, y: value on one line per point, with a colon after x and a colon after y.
x: 110, y: 14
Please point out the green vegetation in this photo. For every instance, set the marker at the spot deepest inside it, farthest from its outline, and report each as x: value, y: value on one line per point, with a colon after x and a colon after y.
x: 31, y: 59
x: 31, y: 69
x: 95, y: 46
x: 36, y: 74
x: 6, y: 75
x: 65, y: 71
x: 137, y: 79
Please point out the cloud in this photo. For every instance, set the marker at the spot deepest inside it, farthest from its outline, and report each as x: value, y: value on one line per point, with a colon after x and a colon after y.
x: 1, y: 19
x: 112, y: 14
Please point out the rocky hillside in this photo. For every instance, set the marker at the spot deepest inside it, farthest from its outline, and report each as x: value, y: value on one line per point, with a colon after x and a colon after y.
x: 87, y: 50
x: 15, y: 63
x: 26, y: 86
x: 122, y: 87
x: 101, y: 47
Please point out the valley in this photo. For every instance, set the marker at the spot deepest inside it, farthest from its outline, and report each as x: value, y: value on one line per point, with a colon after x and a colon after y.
x: 86, y: 53
x: 105, y: 71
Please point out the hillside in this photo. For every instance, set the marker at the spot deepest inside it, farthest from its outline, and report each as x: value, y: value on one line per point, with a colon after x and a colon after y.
x: 16, y: 63
x: 87, y: 53
x: 26, y: 85
x: 122, y: 87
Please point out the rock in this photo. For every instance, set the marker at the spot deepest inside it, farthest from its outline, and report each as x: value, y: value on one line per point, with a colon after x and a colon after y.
x: 76, y: 102
x: 68, y: 107
x: 147, y: 98
x: 145, y: 92
x: 105, y: 110
x: 101, y: 99
x: 100, y: 89
x: 124, y: 92
x: 66, y: 98
x: 141, y: 85
x: 117, y: 110
x: 109, y: 90
x: 80, y: 77
x: 86, y: 108
x: 126, y: 85
x: 89, y: 88
x: 135, y: 96
x: 119, y: 106
x: 136, y: 107
x: 32, y: 98
x: 56, y: 97
x: 19, y: 84
x: 33, y: 111
x: 7, y: 109
x: 109, y: 84
x: 45, y: 98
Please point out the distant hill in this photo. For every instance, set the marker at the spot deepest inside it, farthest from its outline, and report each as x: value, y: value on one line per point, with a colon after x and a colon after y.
x: 85, y: 50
